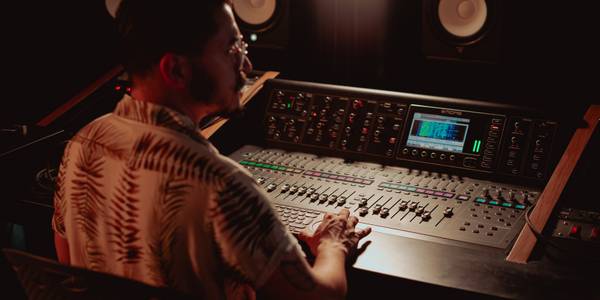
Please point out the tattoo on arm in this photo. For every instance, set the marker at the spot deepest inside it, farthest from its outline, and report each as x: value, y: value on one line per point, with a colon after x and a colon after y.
x: 296, y: 272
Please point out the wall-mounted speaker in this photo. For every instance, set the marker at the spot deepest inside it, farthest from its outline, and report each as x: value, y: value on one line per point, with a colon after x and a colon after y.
x: 462, y: 30
x: 264, y: 23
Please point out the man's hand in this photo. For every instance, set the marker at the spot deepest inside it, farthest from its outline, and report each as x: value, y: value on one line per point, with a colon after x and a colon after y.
x: 336, y: 231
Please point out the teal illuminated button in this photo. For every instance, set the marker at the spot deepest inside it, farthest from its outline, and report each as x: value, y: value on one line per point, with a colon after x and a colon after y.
x: 520, y: 206
x: 506, y: 204
x: 411, y: 189
x: 493, y: 203
x: 385, y: 185
x: 480, y: 200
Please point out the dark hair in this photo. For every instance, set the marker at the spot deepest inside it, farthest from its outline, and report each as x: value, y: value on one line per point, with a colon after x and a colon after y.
x: 150, y: 28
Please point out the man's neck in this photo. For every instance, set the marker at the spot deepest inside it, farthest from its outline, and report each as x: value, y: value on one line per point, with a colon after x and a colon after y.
x: 155, y: 92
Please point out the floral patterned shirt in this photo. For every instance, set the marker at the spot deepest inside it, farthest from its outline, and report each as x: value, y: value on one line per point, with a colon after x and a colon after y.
x: 142, y: 194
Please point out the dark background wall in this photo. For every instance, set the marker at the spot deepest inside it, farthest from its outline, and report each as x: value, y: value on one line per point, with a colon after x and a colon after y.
x: 53, y: 49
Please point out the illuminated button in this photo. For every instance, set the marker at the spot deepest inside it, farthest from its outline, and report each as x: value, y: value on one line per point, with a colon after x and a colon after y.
x: 575, y: 231
x: 480, y: 200
x: 392, y: 140
x: 595, y: 234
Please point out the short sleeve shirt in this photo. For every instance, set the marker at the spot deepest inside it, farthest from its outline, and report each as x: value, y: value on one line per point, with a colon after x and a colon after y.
x: 142, y: 194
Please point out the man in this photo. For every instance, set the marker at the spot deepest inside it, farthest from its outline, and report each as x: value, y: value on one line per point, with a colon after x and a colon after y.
x: 141, y: 194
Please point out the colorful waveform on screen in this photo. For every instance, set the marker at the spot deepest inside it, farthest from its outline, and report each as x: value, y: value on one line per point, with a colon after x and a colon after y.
x: 439, y: 130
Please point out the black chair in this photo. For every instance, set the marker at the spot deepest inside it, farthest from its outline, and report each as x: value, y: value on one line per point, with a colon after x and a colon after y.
x: 43, y: 278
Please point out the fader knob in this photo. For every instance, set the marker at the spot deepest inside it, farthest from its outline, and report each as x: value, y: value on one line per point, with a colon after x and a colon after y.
x: 448, y: 212
x: 301, y: 190
x: 426, y: 216
x: 293, y: 189
x: 412, y: 206
x: 419, y: 211
x: 323, y: 198
x: 363, y: 211
x: 314, y: 197
x: 271, y: 187
x: 363, y: 202
x: 341, y: 200
x: 332, y: 199
x: 377, y: 209
x: 384, y: 212
x: 285, y: 188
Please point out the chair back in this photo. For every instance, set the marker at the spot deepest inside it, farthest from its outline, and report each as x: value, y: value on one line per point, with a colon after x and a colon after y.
x: 43, y: 278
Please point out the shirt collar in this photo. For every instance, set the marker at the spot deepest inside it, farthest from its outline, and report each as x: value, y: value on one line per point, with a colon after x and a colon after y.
x: 155, y: 114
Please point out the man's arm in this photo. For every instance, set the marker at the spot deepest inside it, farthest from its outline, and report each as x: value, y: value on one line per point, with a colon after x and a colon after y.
x: 62, y: 249
x: 331, y: 243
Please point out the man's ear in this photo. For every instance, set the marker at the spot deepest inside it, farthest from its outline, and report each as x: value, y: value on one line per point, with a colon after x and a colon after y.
x: 175, y: 70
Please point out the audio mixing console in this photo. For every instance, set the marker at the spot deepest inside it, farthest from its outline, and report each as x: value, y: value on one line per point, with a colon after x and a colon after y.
x: 434, y: 167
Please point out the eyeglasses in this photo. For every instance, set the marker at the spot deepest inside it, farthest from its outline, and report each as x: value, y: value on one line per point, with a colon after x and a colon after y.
x: 239, y: 49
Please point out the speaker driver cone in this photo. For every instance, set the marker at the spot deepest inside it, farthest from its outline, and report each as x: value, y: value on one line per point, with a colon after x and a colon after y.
x: 463, y: 19
x: 257, y: 14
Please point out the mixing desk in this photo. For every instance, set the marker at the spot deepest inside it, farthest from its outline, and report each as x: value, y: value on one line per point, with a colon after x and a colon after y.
x: 437, y: 168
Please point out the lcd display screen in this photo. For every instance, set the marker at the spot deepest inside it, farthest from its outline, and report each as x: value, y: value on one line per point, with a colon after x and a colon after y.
x: 438, y: 132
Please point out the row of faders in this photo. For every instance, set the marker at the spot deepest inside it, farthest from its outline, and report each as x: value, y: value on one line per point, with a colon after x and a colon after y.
x: 391, y: 199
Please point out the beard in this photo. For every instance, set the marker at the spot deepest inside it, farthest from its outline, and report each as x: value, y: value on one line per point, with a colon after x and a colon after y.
x: 204, y: 88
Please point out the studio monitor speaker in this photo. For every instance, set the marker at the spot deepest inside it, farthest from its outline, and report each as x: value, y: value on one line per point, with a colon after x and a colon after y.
x: 264, y: 23
x: 461, y: 30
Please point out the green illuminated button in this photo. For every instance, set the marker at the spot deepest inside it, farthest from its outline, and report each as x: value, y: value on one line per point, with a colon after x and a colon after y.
x: 251, y: 163
x: 273, y: 167
x: 480, y: 200
x: 520, y: 206
x: 411, y: 189
x: 282, y: 168
x: 493, y: 203
x: 243, y: 162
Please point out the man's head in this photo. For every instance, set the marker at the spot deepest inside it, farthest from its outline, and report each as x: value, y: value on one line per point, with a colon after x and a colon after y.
x: 192, y: 49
